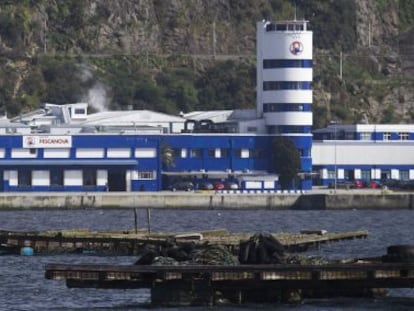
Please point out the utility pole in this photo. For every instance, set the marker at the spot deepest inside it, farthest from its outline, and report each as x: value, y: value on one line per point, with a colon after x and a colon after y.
x: 214, y: 38
x: 44, y: 33
x: 369, y: 34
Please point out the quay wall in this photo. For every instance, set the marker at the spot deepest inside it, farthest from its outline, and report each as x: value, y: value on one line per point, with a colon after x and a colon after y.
x: 317, y: 201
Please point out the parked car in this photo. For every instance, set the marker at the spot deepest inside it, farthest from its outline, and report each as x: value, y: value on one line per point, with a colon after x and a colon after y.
x: 205, y: 186
x: 231, y: 186
x: 372, y: 184
x: 182, y: 185
x: 391, y: 183
x: 359, y: 184
x: 342, y: 185
x: 218, y: 185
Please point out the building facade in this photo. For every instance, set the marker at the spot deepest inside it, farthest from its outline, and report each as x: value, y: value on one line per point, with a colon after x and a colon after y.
x: 363, y: 152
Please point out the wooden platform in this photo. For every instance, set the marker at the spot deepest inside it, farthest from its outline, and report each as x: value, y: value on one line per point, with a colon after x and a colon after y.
x: 128, y: 242
x: 206, y: 285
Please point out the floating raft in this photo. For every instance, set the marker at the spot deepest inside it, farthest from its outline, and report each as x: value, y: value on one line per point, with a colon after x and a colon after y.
x: 208, y: 285
x: 128, y: 242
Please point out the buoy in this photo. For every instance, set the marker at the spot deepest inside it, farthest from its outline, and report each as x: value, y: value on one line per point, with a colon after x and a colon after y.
x: 26, y: 251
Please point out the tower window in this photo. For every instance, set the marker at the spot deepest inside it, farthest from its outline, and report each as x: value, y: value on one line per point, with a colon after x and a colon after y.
x: 286, y: 85
x: 287, y: 63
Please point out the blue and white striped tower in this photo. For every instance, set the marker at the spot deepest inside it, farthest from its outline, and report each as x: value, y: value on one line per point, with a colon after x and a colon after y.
x: 284, y: 78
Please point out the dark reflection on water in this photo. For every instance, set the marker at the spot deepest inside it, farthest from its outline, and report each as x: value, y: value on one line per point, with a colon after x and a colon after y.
x: 23, y: 287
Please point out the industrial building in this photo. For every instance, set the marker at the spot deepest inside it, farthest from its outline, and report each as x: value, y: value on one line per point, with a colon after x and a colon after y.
x: 63, y: 148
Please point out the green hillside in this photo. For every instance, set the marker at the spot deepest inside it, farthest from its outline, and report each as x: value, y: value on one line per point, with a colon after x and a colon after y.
x: 199, y: 55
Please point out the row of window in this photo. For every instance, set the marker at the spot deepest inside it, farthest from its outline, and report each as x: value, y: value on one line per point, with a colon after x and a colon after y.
x: 218, y: 153
x: 284, y: 27
x: 366, y: 174
x: 385, y: 136
x: 64, y: 153
x: 56, y: 177
x: 366, y: 136
x: 283, y: 107
x: 286, y: 85
x: 287, y: 63
x: 288, y: 129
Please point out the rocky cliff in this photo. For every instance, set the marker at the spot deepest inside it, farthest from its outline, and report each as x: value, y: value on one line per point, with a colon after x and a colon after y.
x: 46, y: 45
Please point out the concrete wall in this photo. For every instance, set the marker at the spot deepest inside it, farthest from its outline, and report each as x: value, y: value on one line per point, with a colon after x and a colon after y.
x: 207, y: 201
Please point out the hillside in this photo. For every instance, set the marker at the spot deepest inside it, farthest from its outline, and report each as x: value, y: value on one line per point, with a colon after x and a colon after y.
x: 184, y: 55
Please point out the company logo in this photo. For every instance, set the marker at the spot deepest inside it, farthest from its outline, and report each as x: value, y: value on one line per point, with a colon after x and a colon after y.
x: 53, y: 141
x: 30, y: 141
x: 47, y: 141
x: 296, y: 48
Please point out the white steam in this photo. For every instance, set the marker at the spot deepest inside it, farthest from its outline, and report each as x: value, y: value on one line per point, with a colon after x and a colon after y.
x: 97, y: 96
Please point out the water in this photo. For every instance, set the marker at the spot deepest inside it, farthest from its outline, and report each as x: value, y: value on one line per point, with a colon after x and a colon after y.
x: 23, y: 286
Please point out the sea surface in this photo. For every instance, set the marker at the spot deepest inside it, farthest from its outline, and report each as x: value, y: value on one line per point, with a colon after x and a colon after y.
x: 23, y: 286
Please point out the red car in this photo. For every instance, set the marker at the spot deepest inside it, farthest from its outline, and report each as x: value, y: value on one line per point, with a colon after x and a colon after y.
x: 218, y: 186
x: 373, y: 185
x: 358, y: 184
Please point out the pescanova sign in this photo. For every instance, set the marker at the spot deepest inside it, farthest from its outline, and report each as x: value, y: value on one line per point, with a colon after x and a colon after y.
x: 47, y: 141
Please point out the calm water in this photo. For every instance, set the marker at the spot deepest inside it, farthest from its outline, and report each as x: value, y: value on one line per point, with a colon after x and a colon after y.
x: 23, y: 286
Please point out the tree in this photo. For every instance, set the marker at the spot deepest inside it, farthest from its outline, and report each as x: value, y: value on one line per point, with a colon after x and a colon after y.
x: 167, y: 156
x: 286, y: 160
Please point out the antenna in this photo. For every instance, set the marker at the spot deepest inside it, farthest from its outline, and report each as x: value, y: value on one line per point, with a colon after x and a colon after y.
x: 295, y: 10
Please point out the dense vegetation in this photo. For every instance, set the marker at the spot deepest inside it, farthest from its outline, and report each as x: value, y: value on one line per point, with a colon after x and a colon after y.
x: 168, y: 79
x: 286, y: 162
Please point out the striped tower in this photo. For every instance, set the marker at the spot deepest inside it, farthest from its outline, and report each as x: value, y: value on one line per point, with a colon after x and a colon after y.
x: 284, y: 78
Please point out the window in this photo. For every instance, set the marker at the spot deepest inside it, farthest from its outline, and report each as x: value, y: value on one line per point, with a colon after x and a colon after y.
x: 386, y: 136
x: 404, y: 175
x: 80, y: 111
x: 212, y: 153
x: 56, y: 153
x: 243, y: 153
x: 196, y: 153
x: 331, y: 174
x: 90, y: 153
x: 252, y: 129
x: 365, y: 174
x: 56, y: 177
x: 24, y: 153
x: 287, y: 63
x: 177, y: 152
x: 349, y: 174
x: 283, y: 107
x: 24, y: 178
x: 118, y: 153
x: 349, y: 136
x: 403, y: 135
x: 365, y: 136
x: 286, y: 85
x: 224, y: 153
x: 284, y: 27
x: 145, y: 153
x: 146, y: 175
x: 89, y: 177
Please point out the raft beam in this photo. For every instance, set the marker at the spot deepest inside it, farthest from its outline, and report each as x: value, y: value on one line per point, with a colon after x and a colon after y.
x: 206, y: 285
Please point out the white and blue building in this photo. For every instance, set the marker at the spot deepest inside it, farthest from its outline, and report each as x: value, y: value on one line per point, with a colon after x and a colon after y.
x: 63, y: 148
x: 363, y: 152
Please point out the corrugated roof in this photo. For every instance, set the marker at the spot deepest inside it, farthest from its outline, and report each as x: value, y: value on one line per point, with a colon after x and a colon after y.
x: 129, y: 117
